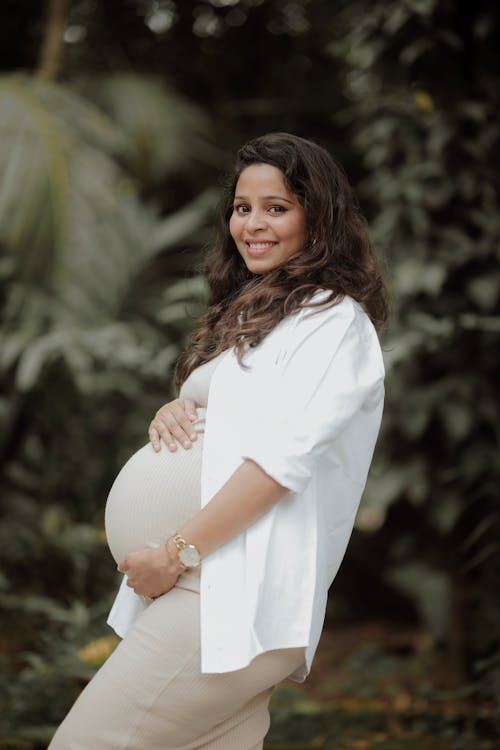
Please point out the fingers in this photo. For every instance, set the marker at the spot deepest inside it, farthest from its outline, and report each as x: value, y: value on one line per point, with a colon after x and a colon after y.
x: 159, y: 431
x: 173, y: 424
x: 190, y: 409
x: 181, y: 428
x: 154, y: 437
x: 146, y: 572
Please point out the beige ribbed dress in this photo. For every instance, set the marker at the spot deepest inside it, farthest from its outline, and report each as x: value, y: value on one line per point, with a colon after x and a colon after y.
x: 150, y: 694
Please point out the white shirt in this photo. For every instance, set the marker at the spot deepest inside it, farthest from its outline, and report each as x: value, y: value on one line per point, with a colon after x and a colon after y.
x: 307, y: 409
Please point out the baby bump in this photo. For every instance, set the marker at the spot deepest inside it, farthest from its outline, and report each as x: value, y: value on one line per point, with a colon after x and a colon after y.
x: 152, y: 496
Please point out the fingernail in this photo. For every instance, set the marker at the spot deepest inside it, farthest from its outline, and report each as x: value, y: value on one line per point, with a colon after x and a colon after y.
x: 193, y: 436
x: 192, y: 416
x: 187, y: 444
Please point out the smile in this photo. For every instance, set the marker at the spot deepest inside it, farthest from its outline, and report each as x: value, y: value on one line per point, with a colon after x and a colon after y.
x: 257, y: 249
x: 260, y: 245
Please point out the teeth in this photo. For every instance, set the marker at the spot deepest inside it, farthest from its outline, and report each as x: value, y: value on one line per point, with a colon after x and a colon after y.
x: 260, y: 245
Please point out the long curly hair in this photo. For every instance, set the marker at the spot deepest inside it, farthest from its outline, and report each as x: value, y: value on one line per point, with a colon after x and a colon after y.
x: 244, y: 307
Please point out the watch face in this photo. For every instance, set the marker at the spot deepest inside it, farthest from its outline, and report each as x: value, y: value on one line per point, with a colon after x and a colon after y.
x: 189, y: 556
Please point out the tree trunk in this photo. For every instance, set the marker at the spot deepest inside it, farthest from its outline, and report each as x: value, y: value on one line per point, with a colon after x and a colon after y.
x: 51, y: 54
x: 457, y: 670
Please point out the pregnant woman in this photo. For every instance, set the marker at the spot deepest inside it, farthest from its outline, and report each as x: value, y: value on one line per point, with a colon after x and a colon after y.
x: 230, y: 525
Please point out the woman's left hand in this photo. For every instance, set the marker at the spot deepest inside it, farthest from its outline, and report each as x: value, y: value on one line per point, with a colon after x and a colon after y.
x: 150, y: 572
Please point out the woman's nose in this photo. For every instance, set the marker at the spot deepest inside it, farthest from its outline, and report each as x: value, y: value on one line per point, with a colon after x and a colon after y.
x: 255, y: 220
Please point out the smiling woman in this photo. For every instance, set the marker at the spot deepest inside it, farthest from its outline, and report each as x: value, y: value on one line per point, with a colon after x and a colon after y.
x: 298, y: 197
x: 265, y: 497
x: 268, y: 223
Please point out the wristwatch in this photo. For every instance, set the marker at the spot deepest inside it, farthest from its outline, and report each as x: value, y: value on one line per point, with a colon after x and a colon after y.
x: 189, y: 555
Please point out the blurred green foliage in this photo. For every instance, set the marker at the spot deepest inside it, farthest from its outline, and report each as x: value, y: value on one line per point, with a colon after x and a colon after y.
x: 96, y: 302
x: 109, y: 178
x: 430, y: 147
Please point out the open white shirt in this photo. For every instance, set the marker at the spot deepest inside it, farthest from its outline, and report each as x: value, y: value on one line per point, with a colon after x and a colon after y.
x: 307, y: 408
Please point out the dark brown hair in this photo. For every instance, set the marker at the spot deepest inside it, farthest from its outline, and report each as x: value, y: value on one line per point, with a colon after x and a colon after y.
x: 244, y: 307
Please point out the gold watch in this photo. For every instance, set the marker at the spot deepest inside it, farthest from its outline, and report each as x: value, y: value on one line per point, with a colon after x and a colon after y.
x: 189, y: 555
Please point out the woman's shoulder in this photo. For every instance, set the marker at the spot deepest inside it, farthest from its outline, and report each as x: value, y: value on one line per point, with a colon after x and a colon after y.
x: 323, y: 305
x: 328, y: 318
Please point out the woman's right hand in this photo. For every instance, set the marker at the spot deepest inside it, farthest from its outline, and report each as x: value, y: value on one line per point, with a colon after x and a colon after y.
x: 174, y: 422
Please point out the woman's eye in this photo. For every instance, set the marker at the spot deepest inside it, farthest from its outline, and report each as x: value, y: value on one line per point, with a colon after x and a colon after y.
x: 242, y: 208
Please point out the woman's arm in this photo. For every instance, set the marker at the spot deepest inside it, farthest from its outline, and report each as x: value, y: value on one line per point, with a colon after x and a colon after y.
x: 348, y: 372
x: 247, y: 495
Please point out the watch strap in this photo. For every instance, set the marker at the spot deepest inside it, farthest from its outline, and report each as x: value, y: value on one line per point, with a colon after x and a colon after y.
x: 179, y: 541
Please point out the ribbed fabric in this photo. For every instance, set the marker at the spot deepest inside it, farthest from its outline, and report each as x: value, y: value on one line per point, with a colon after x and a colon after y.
x: 156, y: 493
x: 150, y: 694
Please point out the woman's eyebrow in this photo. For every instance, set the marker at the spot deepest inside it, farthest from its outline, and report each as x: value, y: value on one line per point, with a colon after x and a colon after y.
x: 265, y: 197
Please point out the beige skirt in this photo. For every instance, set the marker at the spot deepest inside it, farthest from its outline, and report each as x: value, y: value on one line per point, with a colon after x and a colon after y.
x: 151, y: 695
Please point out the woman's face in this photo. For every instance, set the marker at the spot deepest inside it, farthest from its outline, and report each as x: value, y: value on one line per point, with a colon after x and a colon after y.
x: 268, y: 223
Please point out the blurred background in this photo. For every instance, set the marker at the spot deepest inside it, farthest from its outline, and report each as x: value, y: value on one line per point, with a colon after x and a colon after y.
x: 118, y: 120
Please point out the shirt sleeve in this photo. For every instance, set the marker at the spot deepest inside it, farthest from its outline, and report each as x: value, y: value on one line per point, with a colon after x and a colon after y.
x: 332, y: 369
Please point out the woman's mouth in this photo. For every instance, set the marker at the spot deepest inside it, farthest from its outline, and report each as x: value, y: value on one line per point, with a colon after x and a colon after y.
x: 259, y: 248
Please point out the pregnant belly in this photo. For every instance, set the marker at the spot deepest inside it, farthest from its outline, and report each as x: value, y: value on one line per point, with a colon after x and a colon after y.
x: 152, y: 496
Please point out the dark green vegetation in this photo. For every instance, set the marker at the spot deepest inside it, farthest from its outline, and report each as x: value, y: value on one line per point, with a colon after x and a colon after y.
x: 111, y: 147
